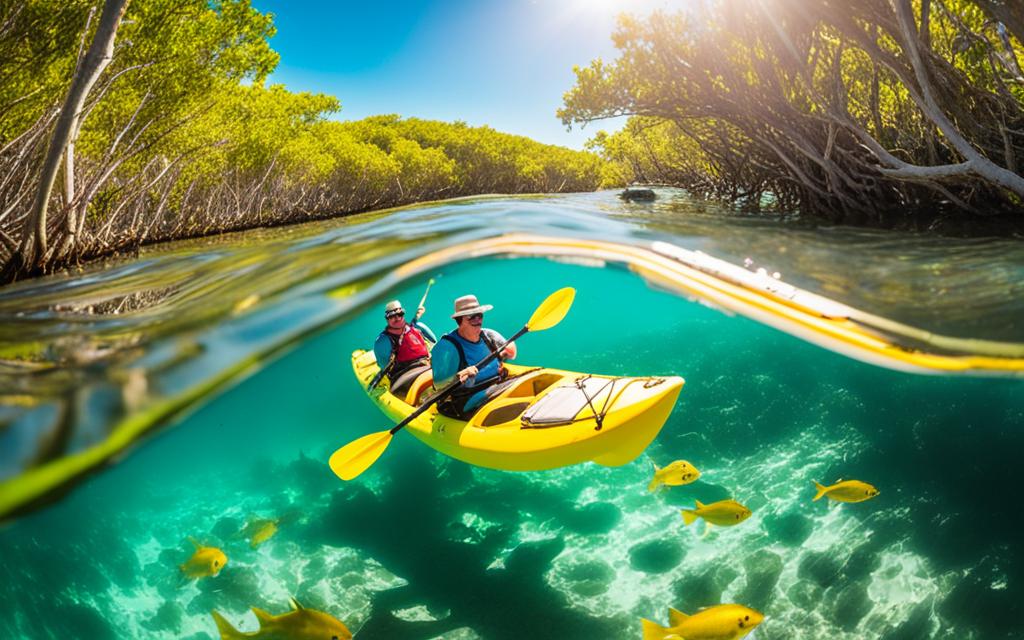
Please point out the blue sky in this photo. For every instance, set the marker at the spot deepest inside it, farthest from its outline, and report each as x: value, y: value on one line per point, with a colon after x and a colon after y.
x: 504, y: 63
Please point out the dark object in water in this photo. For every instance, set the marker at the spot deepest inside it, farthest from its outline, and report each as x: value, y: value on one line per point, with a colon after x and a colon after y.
x: 638, y: 195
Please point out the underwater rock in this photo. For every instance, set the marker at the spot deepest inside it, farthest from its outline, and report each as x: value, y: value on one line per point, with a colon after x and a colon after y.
x: 346, y: 564
x: 863, y: 561
x: 507, y: 603
x: 119, y: 561
x: 164, y: 573
x: 462, y: 633
x: 533, y: 558
x: 317, y: 565
x: 79, y: 621
x: 235, y: 588
x: 306, y: 475
x: 656, y: 556
x: 459, y: 531
x: 693, y: 593
x: 590, y: 588
x: 166, y: 618
x: 286, y: 552
x: 593, y: 518
x: 588, y: 577
x: 312, y: 598
x: 820, y: 567
x: 982, y: 600
x: 386, y: 625
x: 804, y: 594
x: 790, y: 529
x: 420, y: 613
x: 919, y: 624
x: 168, y: 558
x: 352, y: 579
x: 763, y: 569
x: 850, y: 604
x: 227, y: 528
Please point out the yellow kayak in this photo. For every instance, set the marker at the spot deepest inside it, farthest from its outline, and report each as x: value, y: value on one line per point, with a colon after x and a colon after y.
x: 546, y: 418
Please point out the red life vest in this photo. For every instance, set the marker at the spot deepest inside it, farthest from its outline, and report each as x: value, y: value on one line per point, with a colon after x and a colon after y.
x: 410, y: 346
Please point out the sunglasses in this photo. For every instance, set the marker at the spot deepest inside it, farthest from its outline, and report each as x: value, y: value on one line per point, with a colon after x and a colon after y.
x: 395, y: 314
x: 475, y: 316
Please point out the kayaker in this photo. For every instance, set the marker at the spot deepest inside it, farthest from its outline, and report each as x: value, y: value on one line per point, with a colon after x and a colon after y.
x: 406, y: 343
x: 456, y: 353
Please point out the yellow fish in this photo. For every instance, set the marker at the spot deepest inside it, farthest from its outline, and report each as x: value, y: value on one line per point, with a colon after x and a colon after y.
x: 259, y: 531
x: 675, y: 474
x: 297, y: 624
x: 720, y: 622
x: 724, y: 513
x: 846, y: 491
x: 206, y: 561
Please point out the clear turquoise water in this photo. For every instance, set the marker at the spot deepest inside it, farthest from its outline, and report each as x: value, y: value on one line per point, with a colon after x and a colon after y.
x: 425, y: 547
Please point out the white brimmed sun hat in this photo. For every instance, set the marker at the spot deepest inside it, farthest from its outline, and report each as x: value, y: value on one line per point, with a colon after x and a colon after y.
x: 469, y: 305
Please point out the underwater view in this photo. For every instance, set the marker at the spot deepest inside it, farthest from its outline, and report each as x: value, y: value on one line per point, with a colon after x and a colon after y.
x: 167, y: 420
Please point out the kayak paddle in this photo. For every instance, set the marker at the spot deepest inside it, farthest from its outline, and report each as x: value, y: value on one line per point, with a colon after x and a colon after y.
x: 430, y: 283
x: 357, y: 456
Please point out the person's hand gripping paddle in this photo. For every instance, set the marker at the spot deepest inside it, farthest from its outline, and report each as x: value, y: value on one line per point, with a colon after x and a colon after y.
x: 357, y: 456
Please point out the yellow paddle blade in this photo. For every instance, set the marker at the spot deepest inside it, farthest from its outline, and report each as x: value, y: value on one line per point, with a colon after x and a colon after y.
x: 357, y: 456
x: 551, y: 311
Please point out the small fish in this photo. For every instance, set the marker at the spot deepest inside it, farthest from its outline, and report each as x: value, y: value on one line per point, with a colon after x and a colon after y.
x: 720, y: 622
x: 206, y: 561
x: 846, y: 491
x: 297, y: 624
x: 724, y: 513
x: 259, y: 531
x: 675, y: 474
x: 245, y: 303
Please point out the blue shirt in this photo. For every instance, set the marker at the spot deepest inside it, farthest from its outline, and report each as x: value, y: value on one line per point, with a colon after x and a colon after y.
x: 382, y: 347
x: 444, y: 360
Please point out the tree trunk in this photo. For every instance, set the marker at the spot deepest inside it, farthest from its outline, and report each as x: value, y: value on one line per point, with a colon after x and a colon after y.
x: 33, y: 247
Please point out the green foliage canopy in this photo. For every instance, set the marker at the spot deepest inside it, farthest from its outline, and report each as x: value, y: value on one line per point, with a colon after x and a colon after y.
x: 862, y: 112
x: 181, y: 136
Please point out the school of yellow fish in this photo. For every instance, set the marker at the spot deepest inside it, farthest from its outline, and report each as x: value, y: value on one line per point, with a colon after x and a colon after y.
x: 719, y: 622
x: 725, y: 621
x: 298, y: 624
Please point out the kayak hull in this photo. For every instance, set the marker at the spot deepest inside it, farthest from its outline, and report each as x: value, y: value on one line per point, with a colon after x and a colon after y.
x: 632, y: 412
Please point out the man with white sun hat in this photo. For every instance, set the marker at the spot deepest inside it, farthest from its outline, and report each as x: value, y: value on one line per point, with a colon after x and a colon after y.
x: 457, y: 351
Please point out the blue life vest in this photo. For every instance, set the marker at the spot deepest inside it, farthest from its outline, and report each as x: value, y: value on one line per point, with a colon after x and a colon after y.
x: 455, y: 404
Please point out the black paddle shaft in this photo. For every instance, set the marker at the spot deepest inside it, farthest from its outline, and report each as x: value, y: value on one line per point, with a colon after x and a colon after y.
x: 447, y: 391
x: 380, y: 374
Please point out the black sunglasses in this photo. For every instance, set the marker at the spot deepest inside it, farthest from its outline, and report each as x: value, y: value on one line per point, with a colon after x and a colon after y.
x: 394, y: 314
x: 475, y: 316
